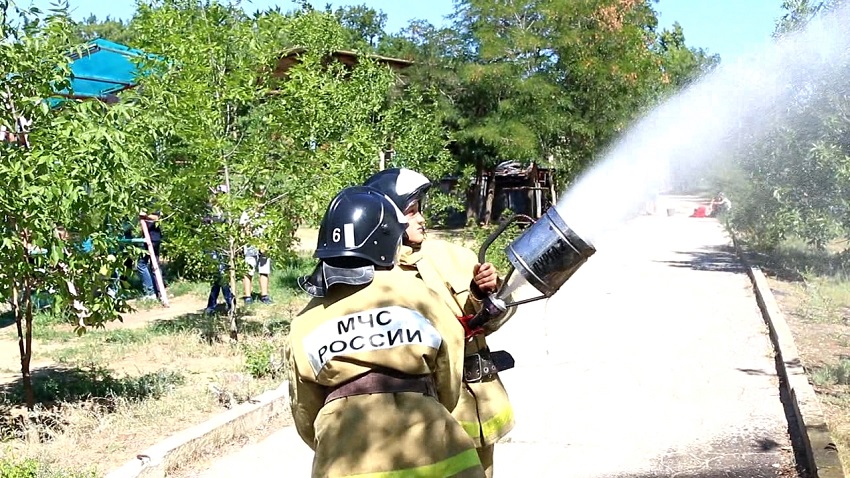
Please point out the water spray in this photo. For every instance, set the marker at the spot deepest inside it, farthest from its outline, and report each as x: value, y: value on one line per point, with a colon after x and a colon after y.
x: 546, y: 255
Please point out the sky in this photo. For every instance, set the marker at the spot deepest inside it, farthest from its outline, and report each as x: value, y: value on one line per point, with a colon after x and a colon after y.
x: 731, y: 28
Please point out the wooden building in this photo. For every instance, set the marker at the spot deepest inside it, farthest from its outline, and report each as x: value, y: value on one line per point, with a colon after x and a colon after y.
x: 509, y: 188
x: 349, y: 58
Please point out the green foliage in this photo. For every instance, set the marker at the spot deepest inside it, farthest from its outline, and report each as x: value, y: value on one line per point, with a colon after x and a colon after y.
x: 77, y: 384
x: 680, y: 63
x: 30, y: 468
x: 284, y: 142
x: 798, y: 13
x: 441, y: 205
x: 544, y: 80
x: 80, y: 169
x: 114, y: 30
x: 495, y: 254
x: 365, y: 25
x: 73, y: 172
x: 832, y: 374
x: 263, y: 359
x: 19, y: 469
x: 797, y: 175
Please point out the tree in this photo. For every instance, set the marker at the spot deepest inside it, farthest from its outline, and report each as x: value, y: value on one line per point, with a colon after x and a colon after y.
x: 115, y: 30
x: 208, y: 59
x: 681, y: 64
x: 797, y: 14
x: 260, y: 105
x: 71, y: 172
x: 366, y: 25
x: 795, y: 175
x: 551, y: 80
x: 326, y: 116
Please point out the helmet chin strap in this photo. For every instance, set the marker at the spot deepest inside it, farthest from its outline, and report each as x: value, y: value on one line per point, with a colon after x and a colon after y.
x: 314, y: 284
x: 324, y: 276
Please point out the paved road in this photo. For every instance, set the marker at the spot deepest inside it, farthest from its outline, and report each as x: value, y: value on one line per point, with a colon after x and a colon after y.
x: 652, y: 361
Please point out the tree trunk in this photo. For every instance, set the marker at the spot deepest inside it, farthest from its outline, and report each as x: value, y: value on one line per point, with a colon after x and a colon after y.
x: 472, y: 194
x: 231, y: 261
x: 475, y: 196
x: 552, y: 190
x: 491, y: 195
x: 231, y: 315
x: 22, y: 306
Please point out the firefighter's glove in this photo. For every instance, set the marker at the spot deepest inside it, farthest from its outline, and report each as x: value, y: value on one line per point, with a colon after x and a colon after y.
x: 467, y: 331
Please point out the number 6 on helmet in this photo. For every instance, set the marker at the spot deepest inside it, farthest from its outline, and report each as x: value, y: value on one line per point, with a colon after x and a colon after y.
x: 361, y: 222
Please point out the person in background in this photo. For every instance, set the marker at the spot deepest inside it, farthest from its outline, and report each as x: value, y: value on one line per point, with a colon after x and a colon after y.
x: 220, y: 283
x: 720, y: 204
x: 461, y: 282
x: 258, y: 262
x: 375, y: 357
x: 144, y: 265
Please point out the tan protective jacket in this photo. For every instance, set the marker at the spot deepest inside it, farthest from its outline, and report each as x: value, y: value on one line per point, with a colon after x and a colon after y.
x: 483, y: 410
x: 396, y: 323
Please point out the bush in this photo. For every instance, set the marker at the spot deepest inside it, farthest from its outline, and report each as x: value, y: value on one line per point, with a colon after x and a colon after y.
x: 496, y: 251
x: 835, y: 374
x: 21, y: 469
x: 263, y: 359
x: 81, y: 384
x: 33, y: 469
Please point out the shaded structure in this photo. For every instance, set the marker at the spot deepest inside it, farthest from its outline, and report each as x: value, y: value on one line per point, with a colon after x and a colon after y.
x: 101, y: 69
x: 348, y: 58
x: 509, y: 188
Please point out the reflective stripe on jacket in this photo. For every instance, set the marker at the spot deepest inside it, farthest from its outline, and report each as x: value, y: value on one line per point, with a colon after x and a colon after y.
x: 484, y: 409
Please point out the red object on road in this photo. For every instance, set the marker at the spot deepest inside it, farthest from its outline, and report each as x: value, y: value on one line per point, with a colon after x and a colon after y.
x: 701, y: 211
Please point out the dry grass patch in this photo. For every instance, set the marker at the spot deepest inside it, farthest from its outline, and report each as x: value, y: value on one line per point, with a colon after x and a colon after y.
x: 107, y: 395
x: 817, y: 312
x: 113, y: 393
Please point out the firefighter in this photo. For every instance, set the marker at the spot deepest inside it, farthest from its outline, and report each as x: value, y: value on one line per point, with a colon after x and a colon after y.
x: 375, y: 359
x: 454, y: 273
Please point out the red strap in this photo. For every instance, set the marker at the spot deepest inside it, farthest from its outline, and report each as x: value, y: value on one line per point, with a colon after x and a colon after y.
x: 468, y: 332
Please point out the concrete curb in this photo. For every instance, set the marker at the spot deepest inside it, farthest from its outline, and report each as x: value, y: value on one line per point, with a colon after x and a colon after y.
x: 820, y: 451
x: 156, y: 461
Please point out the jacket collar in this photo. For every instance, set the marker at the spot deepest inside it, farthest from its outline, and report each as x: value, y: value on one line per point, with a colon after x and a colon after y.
x: 409, y: 255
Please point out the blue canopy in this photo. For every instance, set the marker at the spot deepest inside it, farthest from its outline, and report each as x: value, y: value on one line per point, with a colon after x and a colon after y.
x: 103, y: 69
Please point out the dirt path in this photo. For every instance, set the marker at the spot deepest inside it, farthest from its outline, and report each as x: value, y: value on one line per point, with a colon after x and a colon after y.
x: 10, y: 365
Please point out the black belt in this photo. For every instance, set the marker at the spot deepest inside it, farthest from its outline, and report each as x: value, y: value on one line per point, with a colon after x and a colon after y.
x: 484, y: 365
x: 384, y: 381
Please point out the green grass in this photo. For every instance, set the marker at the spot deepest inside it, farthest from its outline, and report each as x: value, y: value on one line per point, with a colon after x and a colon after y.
x: 282, y: 283
x: 826, y: 299
x: 75, y: 384
x: 91, y: 346
x: 184, y: 287
x: 793, y: 260
x: 824, y: 274
x: 49, y: 326
x: 32, y: 469
x: 833, y: 374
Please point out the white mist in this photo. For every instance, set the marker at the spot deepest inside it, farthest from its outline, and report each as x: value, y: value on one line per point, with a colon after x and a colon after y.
x: 702, y: 124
